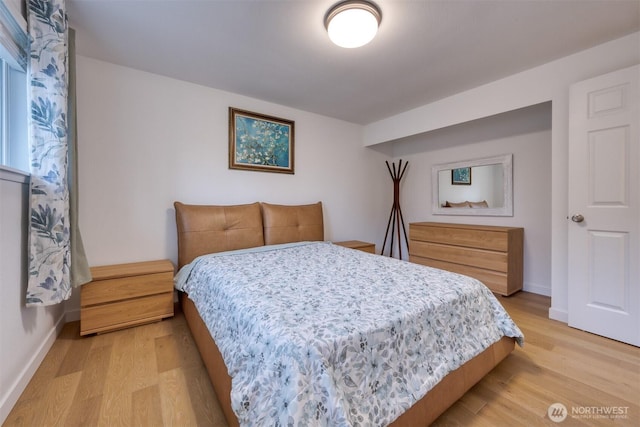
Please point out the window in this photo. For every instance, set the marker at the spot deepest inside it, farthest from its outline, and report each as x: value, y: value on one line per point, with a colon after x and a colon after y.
x: 14, y: 148
x: 13, y: 119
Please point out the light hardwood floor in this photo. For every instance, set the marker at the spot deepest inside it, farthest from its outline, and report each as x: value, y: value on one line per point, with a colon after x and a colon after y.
x: 152, y: 375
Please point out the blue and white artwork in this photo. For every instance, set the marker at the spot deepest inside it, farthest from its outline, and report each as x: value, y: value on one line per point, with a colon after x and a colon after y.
x: 259, y: 142
x: 461, y: 176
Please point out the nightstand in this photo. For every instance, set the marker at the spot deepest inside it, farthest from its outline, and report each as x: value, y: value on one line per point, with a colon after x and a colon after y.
x: 124, y: 295
x: 357, y: 244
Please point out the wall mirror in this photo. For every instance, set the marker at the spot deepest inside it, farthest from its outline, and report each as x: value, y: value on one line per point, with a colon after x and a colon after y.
x: 473, y: 187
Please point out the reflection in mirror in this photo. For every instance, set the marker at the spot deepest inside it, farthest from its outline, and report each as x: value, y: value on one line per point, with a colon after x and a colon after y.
x: 474, y: 187
x: 484, y: 191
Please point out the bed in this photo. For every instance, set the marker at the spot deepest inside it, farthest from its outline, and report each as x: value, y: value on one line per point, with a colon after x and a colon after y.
x: 318, y: 380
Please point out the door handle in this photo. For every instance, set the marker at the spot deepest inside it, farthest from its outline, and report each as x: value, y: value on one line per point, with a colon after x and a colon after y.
x: 577, y: 218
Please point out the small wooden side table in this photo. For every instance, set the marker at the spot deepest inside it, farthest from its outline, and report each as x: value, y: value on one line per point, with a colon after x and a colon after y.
x: 357, y: 244
x: 124, y: 295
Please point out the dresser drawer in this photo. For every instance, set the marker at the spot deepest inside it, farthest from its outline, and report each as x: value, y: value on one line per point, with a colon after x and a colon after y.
x: 126, y: 313
x: 103, y: 291
x: 490, y: 260
x: 482, y: 239
x: 496, y: 281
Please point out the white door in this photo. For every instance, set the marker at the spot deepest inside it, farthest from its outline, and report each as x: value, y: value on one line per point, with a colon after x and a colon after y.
x: 604, y: 206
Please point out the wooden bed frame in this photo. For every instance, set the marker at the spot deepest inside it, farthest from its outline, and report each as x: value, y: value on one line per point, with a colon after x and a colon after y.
x: 209, y: 229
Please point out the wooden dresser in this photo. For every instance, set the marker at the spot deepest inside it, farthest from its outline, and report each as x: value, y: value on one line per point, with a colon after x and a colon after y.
x: 491, y: 254
x: 126, y: 295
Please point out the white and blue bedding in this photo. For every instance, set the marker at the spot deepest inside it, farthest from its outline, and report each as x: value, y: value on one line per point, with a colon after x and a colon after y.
x: 314, y: 334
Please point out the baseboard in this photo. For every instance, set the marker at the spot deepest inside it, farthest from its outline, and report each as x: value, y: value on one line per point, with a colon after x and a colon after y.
x: 560, y: 315
x: 14, y: 391
x: 72, y: 315
x: 537, y: 289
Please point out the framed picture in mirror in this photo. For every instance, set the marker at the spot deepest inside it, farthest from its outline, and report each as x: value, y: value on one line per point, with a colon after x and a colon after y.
x: 461, y: 176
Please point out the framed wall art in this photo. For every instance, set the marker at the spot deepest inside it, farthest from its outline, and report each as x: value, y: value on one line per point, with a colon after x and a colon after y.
x: 461, y: 176
x: 260, y: 143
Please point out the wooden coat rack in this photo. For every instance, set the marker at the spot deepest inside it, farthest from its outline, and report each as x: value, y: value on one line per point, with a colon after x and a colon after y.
x: 395, y: 218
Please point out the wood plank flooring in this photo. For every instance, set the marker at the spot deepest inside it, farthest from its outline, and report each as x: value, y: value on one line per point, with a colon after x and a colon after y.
x: 152, y: 375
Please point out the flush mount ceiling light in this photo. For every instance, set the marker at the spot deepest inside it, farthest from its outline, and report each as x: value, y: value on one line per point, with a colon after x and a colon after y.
x: 352, y: 23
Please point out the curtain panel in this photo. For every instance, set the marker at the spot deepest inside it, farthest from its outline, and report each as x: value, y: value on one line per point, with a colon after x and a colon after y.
x: 80, y: 271
x: 49, y: 234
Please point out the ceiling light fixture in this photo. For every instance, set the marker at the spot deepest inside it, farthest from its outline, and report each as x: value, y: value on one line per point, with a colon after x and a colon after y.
x: 352, y: 23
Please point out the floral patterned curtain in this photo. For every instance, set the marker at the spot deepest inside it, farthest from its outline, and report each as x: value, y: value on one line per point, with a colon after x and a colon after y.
x: 49, y: 235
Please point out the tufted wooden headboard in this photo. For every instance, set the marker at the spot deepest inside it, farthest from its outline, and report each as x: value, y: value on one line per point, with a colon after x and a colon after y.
x: 204, y: 229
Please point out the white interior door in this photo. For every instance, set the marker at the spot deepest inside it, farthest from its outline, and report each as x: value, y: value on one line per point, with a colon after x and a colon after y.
x: 604, y: 206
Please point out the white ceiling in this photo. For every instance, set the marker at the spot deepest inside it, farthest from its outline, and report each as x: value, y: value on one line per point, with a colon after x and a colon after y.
x: 279, y: 51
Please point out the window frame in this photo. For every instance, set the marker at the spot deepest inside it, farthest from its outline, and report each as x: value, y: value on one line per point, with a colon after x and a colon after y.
x: 14, y: 48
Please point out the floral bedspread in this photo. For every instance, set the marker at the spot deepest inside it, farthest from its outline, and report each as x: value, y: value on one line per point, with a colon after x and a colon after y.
x: 314, y: 334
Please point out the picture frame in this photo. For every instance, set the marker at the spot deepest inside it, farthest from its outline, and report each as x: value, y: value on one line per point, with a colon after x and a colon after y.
x: 259, y: 142
x: 461, y: 176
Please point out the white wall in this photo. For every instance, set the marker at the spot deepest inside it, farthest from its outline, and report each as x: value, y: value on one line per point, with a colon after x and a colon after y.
x: 26, y: 334
x: 145, y: 141
x: 526, y: 133
x: 549, y: 82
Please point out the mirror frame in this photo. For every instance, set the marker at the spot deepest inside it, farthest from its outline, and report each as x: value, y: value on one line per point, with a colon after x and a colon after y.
x: 505, y: 160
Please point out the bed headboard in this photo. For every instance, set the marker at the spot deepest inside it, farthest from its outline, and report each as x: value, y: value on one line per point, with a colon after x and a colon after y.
x: 208, y: 229
x: 285, y: 224
x: 204, y: 229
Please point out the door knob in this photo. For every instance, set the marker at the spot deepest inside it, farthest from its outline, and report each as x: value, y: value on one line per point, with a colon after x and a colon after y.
x: 577, y: 218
